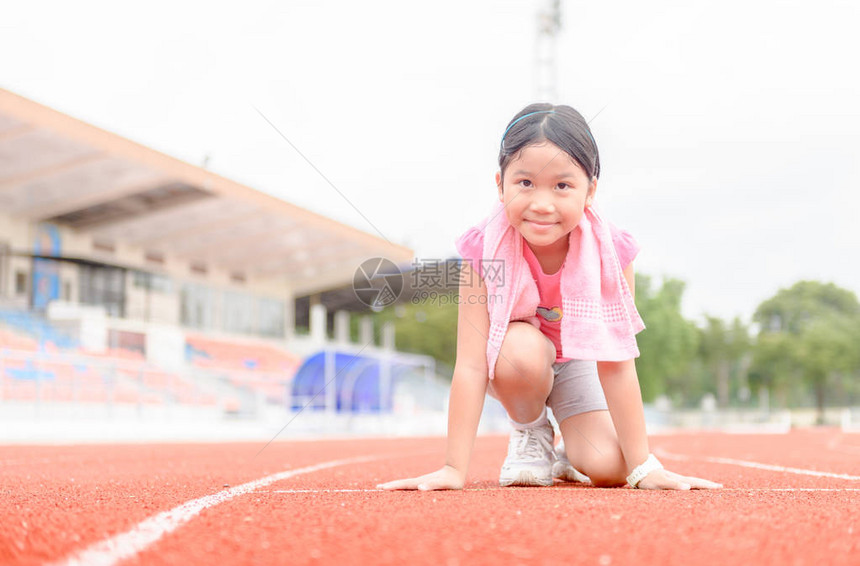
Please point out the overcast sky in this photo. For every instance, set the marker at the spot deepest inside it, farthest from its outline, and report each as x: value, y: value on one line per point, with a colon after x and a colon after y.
x: 729, y: 135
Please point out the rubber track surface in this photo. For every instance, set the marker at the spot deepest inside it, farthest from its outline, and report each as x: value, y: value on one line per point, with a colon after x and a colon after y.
x: 59, y: 500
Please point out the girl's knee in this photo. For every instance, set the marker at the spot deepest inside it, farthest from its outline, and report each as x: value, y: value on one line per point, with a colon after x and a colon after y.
x: 607, y: 472
x: 608, y: 480
x: 525, y: 352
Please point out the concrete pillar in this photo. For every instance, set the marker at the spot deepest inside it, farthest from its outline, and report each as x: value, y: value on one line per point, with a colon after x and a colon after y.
x: 290, y: 318
x: 330, y: 374
x: 388, y: 335
x: 366, y: 331
x: 341, y: 327
x: 318, y: 323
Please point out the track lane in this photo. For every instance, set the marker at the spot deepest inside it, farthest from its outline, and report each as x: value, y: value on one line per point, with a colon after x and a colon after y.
x: 336, y: 516
x: 117, y: 487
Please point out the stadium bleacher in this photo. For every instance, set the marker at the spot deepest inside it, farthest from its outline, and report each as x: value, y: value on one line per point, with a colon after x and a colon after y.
x: 38, y: 362
x: 262, y: 368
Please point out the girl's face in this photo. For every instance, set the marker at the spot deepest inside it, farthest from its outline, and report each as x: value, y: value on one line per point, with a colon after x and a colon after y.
x: 545, y: 193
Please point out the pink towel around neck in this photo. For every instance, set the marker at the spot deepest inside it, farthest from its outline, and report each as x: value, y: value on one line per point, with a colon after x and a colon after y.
x: 600, y: 320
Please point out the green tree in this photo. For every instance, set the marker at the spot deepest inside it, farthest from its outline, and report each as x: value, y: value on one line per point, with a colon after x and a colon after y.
x: 772, y: 366
x: 428, y: 328
x: 668, y: 344
x: 807, y: 336
x: 827, y: 346
x: 721, y: 349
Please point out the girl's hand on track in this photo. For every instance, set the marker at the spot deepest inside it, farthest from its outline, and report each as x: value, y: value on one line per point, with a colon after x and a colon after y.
x: 445, y: 478
x: 664, y: 479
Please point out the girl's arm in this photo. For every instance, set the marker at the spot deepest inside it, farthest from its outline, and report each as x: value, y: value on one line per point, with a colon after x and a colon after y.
x: 624, y: 399
x: 469, y: 385
x: 468, y: 388
x: 621, y: 388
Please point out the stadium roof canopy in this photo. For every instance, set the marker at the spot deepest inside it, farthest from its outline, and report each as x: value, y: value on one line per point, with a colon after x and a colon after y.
x: 58, y: 169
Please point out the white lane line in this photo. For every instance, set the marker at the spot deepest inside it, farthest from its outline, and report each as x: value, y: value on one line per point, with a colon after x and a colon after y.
x: 758, y: 466
x: 318, y: 490
x: 789, y: 489
x: 138, y: 538
x: 370, y: 490
x: 508, y: 489
x: 373, y: 490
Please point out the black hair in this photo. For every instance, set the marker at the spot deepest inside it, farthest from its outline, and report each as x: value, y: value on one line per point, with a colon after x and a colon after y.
x: 559, y: 124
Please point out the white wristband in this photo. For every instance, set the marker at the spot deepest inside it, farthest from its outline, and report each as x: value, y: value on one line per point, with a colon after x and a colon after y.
x: 643, y: 469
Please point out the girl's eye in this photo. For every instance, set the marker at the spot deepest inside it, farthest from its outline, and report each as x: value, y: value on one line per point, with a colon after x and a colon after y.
x: 526, y: 183
x: 563, y: 186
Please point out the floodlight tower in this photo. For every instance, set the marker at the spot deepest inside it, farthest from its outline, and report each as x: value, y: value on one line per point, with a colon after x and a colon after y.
x: 546, y: 71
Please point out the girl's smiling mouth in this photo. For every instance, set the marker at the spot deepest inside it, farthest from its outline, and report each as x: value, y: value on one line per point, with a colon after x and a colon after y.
x: 540, y: 225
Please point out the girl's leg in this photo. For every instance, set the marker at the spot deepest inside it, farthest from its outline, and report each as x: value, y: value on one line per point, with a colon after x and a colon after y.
x: 523, y: 381
x: 524, y: 375
x: 592, y: 447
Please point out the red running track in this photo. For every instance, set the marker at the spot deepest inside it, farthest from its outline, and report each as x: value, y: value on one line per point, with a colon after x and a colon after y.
x: 788, y: 499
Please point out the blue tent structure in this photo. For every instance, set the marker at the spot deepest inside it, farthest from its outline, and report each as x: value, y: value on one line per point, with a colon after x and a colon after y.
x: 362, y: 383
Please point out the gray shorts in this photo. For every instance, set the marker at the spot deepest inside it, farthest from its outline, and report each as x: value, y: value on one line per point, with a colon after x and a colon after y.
x: 576, y: 389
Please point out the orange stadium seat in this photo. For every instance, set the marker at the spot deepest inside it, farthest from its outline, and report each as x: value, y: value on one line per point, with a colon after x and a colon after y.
x: 260, y: 367
x: 46, y: 376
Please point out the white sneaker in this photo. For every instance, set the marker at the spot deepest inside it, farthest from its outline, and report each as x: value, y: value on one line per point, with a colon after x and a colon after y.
x: 563, y: 470
x: 530, y: 457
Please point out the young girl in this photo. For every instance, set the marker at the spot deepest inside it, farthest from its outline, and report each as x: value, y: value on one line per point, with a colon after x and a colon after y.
x: 546, y: 290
